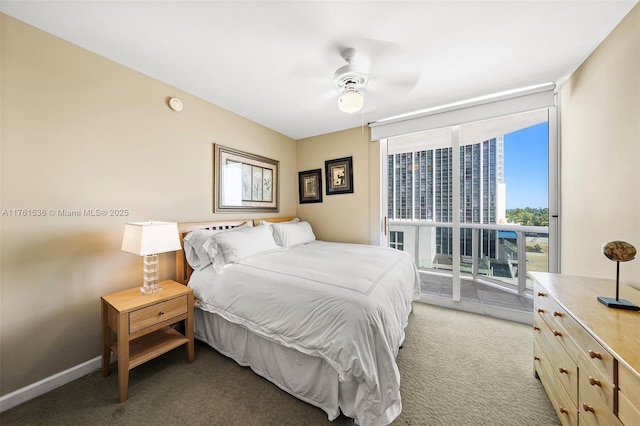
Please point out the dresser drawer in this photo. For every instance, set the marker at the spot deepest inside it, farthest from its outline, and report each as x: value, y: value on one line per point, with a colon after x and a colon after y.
x: 555, y: 317
x: 544, y: 305
x: 596, y: 403
x: 562, y: 365
x: 583, y: 346
x: 628, y: 396
x: 155, y: 314
x: 596, y: 391
x: 627, y: 412
x: 593, y: 354
x: 592, y: 377
x: 562, y: 403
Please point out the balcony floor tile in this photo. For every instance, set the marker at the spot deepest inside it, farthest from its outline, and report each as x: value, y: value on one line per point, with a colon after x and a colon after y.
x: 475, y: 292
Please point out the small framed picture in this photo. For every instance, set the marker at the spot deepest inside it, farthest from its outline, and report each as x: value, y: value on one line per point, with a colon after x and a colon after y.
x: 310, y: 186
x: 339, y: 175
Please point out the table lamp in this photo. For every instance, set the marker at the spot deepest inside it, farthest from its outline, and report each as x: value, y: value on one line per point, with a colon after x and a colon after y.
x: 619, y: 251
x: 148, y: 239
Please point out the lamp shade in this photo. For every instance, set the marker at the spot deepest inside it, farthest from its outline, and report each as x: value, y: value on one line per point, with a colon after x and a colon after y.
x: 153, y: 237
x: 350, y: 101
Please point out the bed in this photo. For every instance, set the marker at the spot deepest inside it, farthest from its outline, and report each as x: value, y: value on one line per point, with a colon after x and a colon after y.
x: 323, y: 321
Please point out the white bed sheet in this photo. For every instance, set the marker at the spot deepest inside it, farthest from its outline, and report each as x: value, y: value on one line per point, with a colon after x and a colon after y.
x: 347, y: 304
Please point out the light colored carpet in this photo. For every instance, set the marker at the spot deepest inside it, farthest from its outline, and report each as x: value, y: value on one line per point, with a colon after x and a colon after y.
x: 457, y: 369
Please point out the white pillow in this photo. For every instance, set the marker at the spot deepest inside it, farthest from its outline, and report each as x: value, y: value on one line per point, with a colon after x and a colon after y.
x: 294, y: 220
x: 196, y: 255
x: 232, y: 246
x: 292, y: 234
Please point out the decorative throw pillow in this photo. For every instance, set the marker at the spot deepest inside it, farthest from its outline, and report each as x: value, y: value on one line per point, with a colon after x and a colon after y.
x: 196, y: 255
x: 292, y: 234
x: 232, y: 246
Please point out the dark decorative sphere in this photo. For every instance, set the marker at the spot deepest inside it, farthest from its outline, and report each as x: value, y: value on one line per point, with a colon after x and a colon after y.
x: 620, y: 251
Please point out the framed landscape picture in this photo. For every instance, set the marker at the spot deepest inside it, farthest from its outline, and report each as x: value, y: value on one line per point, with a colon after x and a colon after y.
x: 339, y: 176
x: 243, y: 181
x: 310, y: 186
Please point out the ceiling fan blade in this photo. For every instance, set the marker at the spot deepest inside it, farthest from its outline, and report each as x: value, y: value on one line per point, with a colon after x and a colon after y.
x: 309, y: 72
x: 388, y: 65
x: 320, y: 101
x: 390, y: 71
x: 402, y: 81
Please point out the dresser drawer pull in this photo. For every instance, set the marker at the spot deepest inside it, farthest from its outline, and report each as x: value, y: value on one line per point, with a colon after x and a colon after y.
x: 161, y: 313
x: 540, y: 310
x: 587, y: 407
x: 557, y: 314
x: 557, y: 333
x: 563, y: 370
x: 595, y: 382
x: 564, y: 410
x: 593, y: 354
x: 536, y: 328
x: 541, y: 294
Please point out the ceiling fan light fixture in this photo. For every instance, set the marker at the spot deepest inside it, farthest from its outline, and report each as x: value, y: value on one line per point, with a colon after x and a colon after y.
x: 351, y: 101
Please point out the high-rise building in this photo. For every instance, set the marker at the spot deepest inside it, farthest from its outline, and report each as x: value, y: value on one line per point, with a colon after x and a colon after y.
x: 421, y: 188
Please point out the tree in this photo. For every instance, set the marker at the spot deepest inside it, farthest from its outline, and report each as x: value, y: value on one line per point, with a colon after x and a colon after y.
x: 529, y: 216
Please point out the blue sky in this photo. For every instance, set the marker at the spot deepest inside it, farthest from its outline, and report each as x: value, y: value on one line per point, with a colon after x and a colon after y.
x: 526, y: 167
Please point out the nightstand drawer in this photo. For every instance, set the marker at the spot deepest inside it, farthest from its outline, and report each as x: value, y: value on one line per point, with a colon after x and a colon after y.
x: 155, y: 314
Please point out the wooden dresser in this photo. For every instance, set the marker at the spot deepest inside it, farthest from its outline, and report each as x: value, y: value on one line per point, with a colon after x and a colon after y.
x: 586, y: 354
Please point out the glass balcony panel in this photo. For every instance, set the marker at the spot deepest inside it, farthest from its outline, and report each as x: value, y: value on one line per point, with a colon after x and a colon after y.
x: 495, y: 273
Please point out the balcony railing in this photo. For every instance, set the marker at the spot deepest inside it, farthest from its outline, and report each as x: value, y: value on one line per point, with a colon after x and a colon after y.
x: 500, y: 258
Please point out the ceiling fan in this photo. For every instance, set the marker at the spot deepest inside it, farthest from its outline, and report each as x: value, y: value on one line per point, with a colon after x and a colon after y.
x: 350, y: 79
x: 374, y: 70
x: 385, y: 72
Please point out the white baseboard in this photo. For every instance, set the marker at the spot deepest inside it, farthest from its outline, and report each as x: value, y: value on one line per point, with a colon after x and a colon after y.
x: 48, y: 384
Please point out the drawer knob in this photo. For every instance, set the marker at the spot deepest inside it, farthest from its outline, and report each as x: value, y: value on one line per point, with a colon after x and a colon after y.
x: 588, y: 407
x: 594, y: 382
x: 161, y: 313
x: 557, y: 333
x: 557, y: 314
x: 540, y: 310
x: 563, y: 370
x: 593, y: 354
x: 564, y: 410
x: 536, y: 328
x: 541, y: 294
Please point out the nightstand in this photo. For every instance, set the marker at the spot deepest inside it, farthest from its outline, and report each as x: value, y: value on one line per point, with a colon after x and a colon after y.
x: 143, y: 327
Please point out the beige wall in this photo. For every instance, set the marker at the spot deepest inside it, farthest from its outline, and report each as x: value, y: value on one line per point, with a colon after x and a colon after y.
x: 82, y: 132
x: 600, y: 155
x: 343, y: 217
x: 79, y: 131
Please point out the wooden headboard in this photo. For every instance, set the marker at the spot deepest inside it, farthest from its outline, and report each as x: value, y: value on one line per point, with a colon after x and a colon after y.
x: 183, y: 270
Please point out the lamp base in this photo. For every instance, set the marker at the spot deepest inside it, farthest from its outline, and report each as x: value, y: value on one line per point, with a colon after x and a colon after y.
x: 151, y: 289
x: 150, y: 275
x: 618, y: 304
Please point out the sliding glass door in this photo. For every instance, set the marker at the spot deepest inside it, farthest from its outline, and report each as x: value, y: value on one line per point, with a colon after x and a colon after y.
x: 470, y: 203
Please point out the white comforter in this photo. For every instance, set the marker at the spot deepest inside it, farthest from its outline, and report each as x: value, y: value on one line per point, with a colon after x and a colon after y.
x: 345, y: 303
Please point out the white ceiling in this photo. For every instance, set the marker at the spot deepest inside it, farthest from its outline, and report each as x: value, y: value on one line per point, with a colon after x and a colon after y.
x: 273, y: 62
